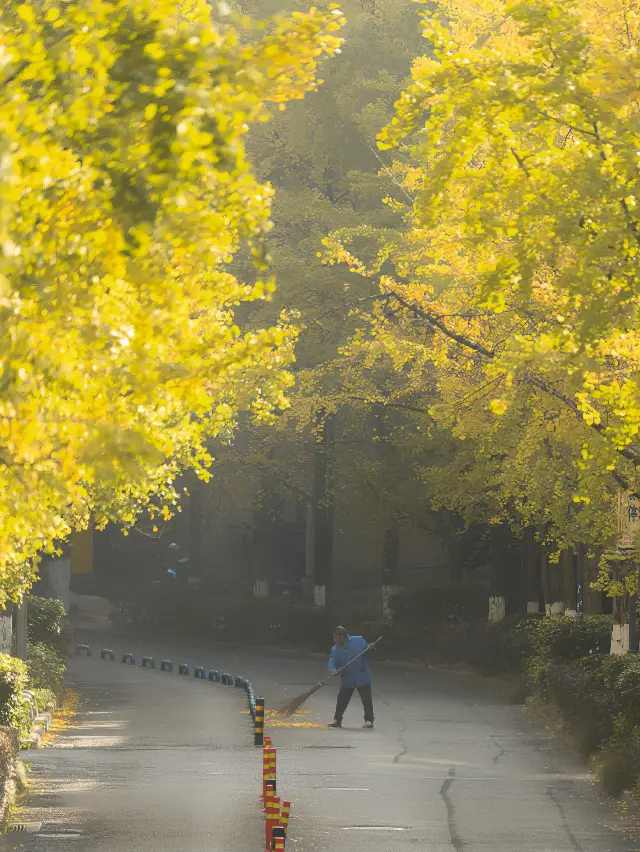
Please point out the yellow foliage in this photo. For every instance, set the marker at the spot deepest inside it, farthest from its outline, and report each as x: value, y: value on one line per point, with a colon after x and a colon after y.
x: 124, y: 194
x: 512, y: 292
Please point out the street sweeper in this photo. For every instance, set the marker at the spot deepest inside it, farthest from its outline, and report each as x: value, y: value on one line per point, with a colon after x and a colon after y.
x: 348, y: 659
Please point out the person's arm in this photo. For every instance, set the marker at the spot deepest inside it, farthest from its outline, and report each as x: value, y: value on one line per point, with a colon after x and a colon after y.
x: 332, y: 667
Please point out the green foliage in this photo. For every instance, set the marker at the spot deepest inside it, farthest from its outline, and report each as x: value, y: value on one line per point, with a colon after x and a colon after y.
x: 616, y: 770
x: 598, y: 696
x: 47, y: 622
x: 564, y: 638
x: 452, y: 603
x: 14, y: 706
x: 617, y: 573
x: 8, y: 753
x: 46, y: 699
x: 258, y: 621
x: 491, y: 649
x: 46, y: 668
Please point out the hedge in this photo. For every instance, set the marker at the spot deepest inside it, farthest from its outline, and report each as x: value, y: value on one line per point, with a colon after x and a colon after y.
x: 45, y: 667
x: 568, y: 638
x: 203, y: 615
x: 47, y: 622
x: 452, y: 603
x: 14, y: 706
x: 8, y: 764
x: 46, y: 699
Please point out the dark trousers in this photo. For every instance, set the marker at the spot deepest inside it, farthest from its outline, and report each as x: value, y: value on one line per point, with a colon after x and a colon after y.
x: 344, y: 697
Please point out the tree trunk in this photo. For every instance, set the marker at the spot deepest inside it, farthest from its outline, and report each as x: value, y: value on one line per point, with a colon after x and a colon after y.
x: 323, y: 515
x: 6, y: 629
x: 263, y: 550
x: 592, y: 599
x: 505, y: 573
x: 390, y: 565
x: 531, y: 556
x: 456, y: 545
x: 310, y: 555
x: 21, y: 629
x: 553, y: 584
x: 623, y: 633
x: 568, y: 563
x: 59, y: 574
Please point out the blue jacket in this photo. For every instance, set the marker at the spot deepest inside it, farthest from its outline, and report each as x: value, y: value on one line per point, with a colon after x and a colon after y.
x: 358, y: 673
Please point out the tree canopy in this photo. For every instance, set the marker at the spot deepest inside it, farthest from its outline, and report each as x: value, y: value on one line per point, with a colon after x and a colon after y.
x: 471, y: 320
x: 125, y: 192
x: 513, y: 280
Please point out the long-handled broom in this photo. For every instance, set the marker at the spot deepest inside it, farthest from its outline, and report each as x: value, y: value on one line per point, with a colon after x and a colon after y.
x: 296, y: 703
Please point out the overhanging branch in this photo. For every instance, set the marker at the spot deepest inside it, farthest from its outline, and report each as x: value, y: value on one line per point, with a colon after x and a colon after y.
x: 438, y: 325
x: 491, y: 355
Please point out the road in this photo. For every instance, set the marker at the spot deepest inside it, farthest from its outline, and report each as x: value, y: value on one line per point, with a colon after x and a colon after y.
x: 162, y: 763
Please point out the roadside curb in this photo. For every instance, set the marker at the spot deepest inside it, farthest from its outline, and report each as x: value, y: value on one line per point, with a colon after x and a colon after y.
x: 42, y: 724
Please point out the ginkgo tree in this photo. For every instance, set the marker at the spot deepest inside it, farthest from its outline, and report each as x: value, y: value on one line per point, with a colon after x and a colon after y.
x: 525, y: 131
x: 124, y: 194
x: 514, y: 280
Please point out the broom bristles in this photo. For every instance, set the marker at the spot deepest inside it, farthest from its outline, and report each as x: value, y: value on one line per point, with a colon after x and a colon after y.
x: 294, y: 704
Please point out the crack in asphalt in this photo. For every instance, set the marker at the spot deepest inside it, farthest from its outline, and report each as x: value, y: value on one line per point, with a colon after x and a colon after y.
x: 398, y: 757
x: 573, y: 840
x: 501, y: 749
x: 454, y: 836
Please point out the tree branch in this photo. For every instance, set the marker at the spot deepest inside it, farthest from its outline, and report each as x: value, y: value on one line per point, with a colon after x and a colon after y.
x: 572, y: 404
x: 600, y: 428
x: 438, y: 325
x: 25, y: 64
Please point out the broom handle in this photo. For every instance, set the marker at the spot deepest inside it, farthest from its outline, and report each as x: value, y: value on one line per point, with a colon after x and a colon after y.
x: 337, y: 671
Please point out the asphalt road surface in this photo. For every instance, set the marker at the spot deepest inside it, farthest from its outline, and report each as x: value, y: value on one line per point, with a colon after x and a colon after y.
x: 162, y: 763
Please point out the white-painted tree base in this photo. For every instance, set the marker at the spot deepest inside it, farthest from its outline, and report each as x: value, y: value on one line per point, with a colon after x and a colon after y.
x: 533, y: 607
x: 556, y: 608
x: 261, y: 589
x: 497, y: 608
x: 620, y: 639
x: 320, y: 596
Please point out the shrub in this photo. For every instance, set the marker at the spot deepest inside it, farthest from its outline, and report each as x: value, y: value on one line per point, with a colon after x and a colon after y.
x: 492, y: 649
x: 8, y: 752
x: 14, y: 706
x: 619, y: 676
x: 204, y: 614
x: 45, y: 699
x: 454, y: 603
x: 47, y: 622
x: 45, y: 667
x: 616, y: 771
x: 562, y: 637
